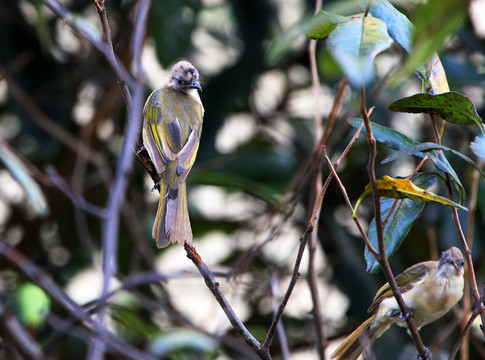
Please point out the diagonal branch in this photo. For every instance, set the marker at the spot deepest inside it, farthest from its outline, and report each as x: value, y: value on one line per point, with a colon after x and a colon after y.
x: 122, y: 76
x: 214, y: 287
x: 424, y: 353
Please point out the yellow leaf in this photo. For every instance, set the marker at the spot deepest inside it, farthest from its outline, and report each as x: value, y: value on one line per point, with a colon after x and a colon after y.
x: 403, y: 189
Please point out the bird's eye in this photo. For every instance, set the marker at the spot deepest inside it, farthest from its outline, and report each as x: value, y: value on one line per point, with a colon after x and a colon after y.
x: 179, y: 80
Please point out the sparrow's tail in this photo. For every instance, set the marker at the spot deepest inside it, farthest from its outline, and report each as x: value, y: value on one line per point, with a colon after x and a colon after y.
x: 172, y: 223
x: 365, y: 334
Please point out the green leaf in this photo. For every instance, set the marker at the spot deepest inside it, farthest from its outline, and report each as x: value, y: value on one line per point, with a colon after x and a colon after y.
x: 322, y: 24
x: 355, y: 43
x: 399, y: 223
x: 389, y: 137
x: 397, y: 141
x: 451, y: 106
x: 33, y: 305
x: 398, y: 25
x: 429, y: 146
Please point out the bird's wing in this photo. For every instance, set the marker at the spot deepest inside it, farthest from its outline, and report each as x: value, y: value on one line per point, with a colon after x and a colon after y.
x: 172, y: 126
x: 187, y: 155
x: 406, y: 280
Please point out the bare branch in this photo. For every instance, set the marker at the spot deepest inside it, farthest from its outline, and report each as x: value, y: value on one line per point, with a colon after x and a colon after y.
x: 14, y: 333
x: 214, y: 287
x: 76, y: 199
x: 123, y: 77
x: 424, y: 353
x: 285, y: 350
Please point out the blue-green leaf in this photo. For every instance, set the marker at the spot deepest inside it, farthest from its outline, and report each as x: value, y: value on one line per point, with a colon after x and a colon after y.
x: 397, y: 141
x: 399, y: 223
x: 426, y: 147
x: 398, y: 25
x: 355, y: 43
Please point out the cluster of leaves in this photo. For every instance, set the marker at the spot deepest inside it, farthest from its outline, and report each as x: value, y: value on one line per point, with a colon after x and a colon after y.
x: 355, y: 41
x: 48, y: 82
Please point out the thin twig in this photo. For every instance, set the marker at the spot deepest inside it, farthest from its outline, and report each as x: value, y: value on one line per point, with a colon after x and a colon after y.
x: 214, y: 287
x: 48, y: 125
x: 423, y: 352
x: 304, y: 239
x: 139, y: 36
x: 467, y: 253
x: 76, y: 199
x: 315, y: 185
x: 294, y: 278
x: 472, y: 207
x: 476, y: 312
x: 349, y: 205
x: 15, y: 334
x: 120, y: 72
x: 285, y: 350
x: 134, y: 105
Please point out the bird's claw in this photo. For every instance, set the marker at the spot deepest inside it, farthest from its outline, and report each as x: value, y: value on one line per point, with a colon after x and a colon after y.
x: 405, y: 317
x: 157, y: 185
x: 425, y: 356
x: 140, y: 150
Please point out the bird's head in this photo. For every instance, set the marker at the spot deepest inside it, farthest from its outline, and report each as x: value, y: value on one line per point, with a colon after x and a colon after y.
x: 184, y: 77
x: 451, y: 260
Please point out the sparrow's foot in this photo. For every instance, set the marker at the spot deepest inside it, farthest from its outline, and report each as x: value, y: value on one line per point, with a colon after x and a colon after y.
x: 401, y: 316
x: 425, y: 356
x: 157, y: 185
x: 405, y: 317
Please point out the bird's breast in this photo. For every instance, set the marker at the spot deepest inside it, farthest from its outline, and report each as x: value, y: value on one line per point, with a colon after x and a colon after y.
x: 428, y: 300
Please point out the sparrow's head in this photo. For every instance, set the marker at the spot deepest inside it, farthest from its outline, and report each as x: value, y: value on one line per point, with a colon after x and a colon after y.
x: 184, y: 77
x: 453, y: 257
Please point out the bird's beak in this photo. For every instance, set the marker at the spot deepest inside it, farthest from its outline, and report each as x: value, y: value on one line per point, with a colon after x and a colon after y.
x: 195, y: 85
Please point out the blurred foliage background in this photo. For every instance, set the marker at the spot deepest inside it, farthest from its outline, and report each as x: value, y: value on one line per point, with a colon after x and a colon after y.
x: 57, y: 91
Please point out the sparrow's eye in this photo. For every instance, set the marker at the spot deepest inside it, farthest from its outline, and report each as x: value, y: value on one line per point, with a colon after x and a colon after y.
x: 179, y: 80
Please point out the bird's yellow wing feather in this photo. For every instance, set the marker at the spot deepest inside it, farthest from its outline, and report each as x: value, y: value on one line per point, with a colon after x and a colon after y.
x: 404, y: 280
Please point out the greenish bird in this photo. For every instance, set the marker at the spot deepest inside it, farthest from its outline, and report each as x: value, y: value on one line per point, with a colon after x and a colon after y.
x: 171, y: 132
x: 429, y: 289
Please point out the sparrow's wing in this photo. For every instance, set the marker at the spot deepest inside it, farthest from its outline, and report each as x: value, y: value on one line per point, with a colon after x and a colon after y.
x: 406, y: 280
x: 172, y: 126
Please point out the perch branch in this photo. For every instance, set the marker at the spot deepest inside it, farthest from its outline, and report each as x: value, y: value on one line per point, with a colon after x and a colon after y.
x: 214, y: 287
x: 423, y: 352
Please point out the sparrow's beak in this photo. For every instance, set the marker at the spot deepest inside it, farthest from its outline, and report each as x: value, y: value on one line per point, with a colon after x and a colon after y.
x: 195, y: 85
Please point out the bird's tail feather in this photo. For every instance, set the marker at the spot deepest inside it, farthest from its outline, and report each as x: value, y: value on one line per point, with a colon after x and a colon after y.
x: 172, y: 223
x: 177, y: 222
x: 158, y: 231
x: 355, y: 343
